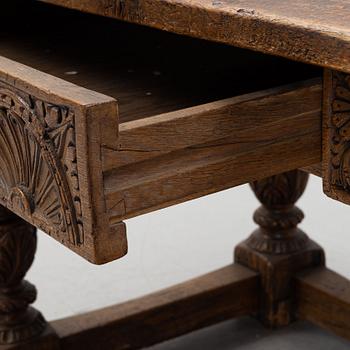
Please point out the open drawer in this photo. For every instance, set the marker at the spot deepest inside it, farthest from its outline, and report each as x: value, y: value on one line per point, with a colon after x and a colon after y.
x: 101, y: 121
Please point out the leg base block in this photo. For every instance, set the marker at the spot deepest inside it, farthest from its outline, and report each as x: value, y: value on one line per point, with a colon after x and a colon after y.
x: 277, y: 278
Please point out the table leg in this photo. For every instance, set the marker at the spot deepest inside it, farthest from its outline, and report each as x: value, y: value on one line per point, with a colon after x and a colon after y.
x: 21, y: 326
x: 278, y: 249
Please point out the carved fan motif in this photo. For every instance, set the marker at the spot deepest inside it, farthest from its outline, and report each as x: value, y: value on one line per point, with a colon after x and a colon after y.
x: 38, y: 174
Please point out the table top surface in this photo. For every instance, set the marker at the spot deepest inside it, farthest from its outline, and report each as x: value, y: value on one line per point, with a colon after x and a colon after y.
x: 311, y: 31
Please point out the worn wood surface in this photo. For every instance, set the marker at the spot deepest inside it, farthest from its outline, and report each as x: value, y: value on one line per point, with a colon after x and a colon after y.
x: 254, y: 136
x: 220, y: 295
x: 65, y: 169
x: 315, y: 31
x: 323, y: 298
x: 149, y: 72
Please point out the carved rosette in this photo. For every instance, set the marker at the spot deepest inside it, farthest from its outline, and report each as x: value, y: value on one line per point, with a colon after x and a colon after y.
x: 38, y: 164
x: 278, y: 217
x: 337, y: 135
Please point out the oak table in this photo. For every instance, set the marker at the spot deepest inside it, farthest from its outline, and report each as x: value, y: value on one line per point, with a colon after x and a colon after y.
x: 103, y: 118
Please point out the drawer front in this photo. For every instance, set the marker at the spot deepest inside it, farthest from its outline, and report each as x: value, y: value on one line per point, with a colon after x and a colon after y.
x: 50, y: 164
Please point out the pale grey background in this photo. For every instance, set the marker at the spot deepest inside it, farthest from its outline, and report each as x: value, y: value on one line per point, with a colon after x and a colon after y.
x: 183, y: 241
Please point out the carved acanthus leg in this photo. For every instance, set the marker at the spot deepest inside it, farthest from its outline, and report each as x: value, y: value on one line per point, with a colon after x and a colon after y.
x: 278, y: 249
x: 19, y: 323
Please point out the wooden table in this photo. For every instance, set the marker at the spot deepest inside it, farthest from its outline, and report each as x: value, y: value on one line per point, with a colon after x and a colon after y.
x: 103, y: 120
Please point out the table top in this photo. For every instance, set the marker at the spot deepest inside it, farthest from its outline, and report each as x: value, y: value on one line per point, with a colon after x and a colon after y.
x: 311, y: 31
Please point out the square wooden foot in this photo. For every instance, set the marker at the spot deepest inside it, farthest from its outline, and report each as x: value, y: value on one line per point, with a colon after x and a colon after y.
x: 277, y: 294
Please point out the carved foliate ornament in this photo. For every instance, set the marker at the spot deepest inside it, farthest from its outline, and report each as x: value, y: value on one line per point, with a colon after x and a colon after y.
x: 336, y: 136
x: 38, y: 164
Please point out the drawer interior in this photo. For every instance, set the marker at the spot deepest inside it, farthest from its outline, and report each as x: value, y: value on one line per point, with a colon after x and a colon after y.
x: 149, y: 72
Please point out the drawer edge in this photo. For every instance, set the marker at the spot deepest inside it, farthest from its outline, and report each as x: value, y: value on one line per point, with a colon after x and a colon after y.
x: 260, y: 146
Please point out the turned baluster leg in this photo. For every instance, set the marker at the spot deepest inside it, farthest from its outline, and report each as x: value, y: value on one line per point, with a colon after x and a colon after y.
x: 278, y: 249
x: 21, y: 326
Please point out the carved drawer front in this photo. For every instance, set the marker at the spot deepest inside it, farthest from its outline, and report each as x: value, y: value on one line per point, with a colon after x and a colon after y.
x: 50, y: 158
x: 185, y: 118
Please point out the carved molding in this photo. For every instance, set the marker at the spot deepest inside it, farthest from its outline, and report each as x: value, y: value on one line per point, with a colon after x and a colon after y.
x: 336, y: 139
x: 38, y: 164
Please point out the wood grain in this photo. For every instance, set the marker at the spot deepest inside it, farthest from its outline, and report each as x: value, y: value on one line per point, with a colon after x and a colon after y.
x: 212, y: 147
x: 65, y: 168
x: 315, y: 31
x: 220, y: 295
x: 323, y: 297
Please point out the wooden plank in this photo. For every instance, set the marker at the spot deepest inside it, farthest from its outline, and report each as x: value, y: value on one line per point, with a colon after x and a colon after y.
x: 323, y: 297
x: 226, y: 293
x: 50, y: 139
x: 176, y: 157
x: 312, y: 31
